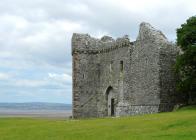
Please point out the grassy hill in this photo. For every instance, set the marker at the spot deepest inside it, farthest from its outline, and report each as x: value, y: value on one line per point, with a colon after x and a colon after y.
x: 179, y: 125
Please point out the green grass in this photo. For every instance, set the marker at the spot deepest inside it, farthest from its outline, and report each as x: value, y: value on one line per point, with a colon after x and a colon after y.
x: 179, y: 125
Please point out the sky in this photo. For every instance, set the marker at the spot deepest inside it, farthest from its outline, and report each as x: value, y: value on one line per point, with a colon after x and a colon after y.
x: 35, y: 39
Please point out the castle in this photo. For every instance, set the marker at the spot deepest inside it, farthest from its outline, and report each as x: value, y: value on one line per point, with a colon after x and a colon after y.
x: 120, y: 78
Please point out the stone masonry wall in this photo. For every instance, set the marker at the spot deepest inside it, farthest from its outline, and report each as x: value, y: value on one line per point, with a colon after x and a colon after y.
x: 136, y: 76
x: 96, y: 67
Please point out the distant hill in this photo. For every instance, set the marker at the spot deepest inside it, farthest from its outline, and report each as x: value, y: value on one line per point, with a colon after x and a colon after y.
x: 36, y: 106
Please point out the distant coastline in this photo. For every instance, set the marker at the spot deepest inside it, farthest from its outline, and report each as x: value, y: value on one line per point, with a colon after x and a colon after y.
x: 35, y: 109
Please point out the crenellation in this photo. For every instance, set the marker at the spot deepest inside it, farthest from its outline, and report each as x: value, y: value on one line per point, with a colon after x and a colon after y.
x: 84, y: 43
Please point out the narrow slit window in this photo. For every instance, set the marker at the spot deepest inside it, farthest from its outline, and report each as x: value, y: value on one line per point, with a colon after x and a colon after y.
x: 111, y: 66
x: 146, y: 61
x: 83, y: 76
x: 121, y: 66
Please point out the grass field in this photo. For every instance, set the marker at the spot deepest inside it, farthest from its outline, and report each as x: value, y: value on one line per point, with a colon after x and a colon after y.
x: 179, y: 125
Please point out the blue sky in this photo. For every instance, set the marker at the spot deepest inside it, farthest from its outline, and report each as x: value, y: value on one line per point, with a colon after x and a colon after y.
x: 35, y: 39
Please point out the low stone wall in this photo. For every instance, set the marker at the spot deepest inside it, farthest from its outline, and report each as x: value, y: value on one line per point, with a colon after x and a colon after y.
x: 137, y: 110
x: 130, y: 110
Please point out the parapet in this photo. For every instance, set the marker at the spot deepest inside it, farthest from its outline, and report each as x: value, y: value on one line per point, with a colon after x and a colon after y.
x: 84, y: 43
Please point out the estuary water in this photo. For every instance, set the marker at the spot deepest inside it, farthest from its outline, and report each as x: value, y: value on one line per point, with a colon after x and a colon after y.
x: 45, y: 110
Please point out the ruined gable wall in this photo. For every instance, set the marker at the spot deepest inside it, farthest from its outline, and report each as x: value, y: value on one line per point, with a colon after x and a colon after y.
x: 152, y: 78
x: 143, y: 96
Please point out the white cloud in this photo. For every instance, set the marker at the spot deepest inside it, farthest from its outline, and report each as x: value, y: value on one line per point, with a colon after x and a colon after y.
x: 30, y: 83
x: 5, y: 76
x: 13, y: 22
x: 60, y: 77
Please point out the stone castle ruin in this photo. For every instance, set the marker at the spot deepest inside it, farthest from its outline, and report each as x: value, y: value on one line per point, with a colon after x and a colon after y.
x: 119, y: 77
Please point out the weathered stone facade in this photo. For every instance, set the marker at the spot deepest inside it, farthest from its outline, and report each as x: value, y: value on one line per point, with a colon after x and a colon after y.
x: 119, y: 77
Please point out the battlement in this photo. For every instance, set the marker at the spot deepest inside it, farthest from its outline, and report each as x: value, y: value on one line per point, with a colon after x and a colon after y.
x: 84, y: 43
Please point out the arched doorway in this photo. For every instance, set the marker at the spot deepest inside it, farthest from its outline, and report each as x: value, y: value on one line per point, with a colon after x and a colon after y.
x: 110, y: 98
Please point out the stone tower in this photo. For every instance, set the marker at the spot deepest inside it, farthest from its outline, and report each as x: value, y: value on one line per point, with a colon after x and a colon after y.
x: 119, y: 77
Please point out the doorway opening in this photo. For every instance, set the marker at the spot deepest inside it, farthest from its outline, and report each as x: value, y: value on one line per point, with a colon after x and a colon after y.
x: 110, y: 99
x: 112, y: 107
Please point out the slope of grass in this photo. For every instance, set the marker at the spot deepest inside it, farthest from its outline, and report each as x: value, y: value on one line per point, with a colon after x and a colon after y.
x: 179, y: 125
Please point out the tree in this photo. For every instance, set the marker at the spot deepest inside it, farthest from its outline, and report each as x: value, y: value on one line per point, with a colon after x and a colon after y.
x: 186, y: 62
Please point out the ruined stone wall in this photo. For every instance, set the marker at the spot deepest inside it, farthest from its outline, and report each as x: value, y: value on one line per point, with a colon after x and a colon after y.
x: 145, y: 84
x: 96, y: 67
x: 85, y: 77
x: 168, y: 95
x: 111, y: 74
x: 143, y: 93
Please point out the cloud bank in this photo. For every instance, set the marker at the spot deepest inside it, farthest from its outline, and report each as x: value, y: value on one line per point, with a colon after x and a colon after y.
x: 35, y: 47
